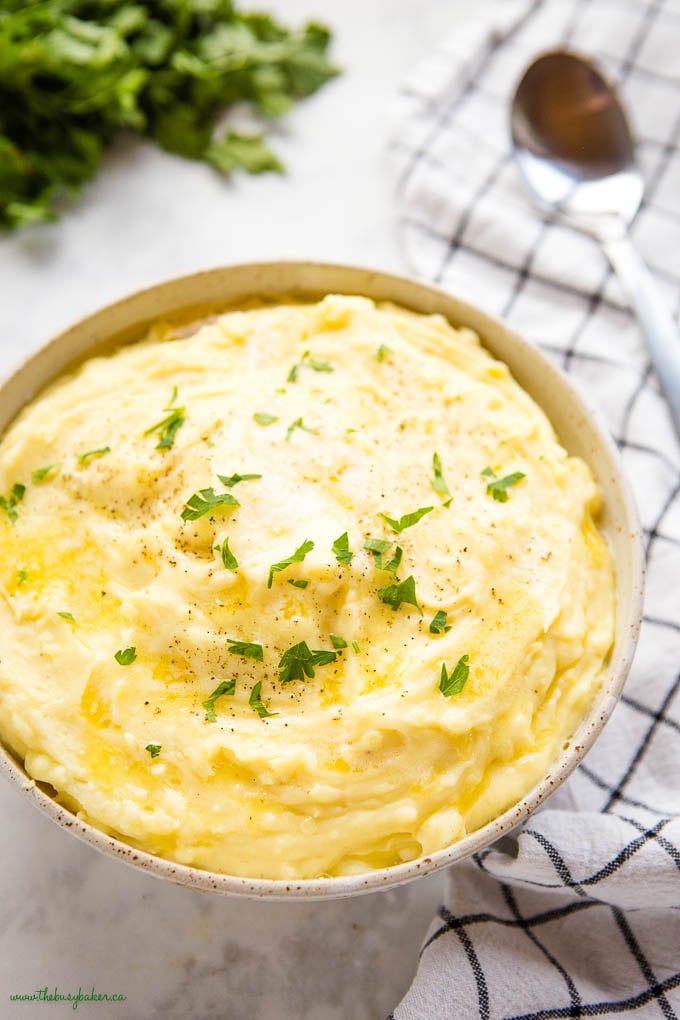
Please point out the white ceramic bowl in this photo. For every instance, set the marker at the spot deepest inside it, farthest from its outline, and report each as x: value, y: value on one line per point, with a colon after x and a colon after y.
x: 580, y: 430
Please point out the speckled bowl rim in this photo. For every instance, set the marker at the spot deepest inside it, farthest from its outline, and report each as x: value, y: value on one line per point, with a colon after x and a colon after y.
x: 580, y: 428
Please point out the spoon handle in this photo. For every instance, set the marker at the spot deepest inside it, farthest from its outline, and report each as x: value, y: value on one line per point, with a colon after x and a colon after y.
x: 656, y: 321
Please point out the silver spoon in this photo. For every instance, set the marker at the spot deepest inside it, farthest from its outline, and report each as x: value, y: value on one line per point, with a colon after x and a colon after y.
x: 575, y: 151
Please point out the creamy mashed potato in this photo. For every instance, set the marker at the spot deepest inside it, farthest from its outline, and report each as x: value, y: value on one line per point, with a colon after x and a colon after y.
x: 436, y: 625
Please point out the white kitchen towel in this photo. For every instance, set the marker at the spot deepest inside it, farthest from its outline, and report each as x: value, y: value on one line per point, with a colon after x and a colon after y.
x: 577, y: 913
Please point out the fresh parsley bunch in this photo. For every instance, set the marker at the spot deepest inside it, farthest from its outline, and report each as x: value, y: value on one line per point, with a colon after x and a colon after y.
x: 73, y: 72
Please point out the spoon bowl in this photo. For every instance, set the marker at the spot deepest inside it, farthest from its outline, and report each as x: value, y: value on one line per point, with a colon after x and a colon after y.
x: 572, y: 142
x: 575, y: 151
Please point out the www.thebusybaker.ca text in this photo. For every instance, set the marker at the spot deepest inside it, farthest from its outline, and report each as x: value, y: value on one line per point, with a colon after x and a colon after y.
x: 75, y: 998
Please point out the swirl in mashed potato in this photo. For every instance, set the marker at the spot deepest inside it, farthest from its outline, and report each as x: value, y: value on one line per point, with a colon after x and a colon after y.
x: 436, y: 624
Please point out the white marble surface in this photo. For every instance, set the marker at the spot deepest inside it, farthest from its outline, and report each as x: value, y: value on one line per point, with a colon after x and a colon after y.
x: 70, y: 916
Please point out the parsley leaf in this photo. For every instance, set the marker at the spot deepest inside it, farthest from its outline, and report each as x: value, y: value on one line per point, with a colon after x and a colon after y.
x: 228, y: 558
x: 247, y: 649
x: 317, y: 366
x: 40, y: 474
x: 265, y: 419
x: 168, y: 427
x: 393, y: 566
x: 74, y: 73
x: 299, y: 661
x: 310, y: 362
x: 378, y: 547
x: 255, y: 701
x: 394, y: 594
x: 299, y: 424
x: 337, y: 641
x: 298, y: 584
x: 10, y: 503
x: 153, y: 749
x: 322, y: 657
x: 225, y: 687
x: 438, y: 483
x: 408, y: 520
x: 231, y: 480
x: 67, y: 616
x: 297, y: 557
x: 382, y: 352
x: 341, y: 549
x: 92, y: 454
x: 206, y: 501
x: 454, y: 682
x: 438, y: 625
x: 22, y: 576
x: 355, y: 647
x: 235, y: 151
x: 126, y: 656
x: 498, y: 487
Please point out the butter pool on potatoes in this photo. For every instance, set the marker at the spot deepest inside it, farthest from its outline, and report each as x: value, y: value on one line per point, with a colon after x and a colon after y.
x: 366, y: 764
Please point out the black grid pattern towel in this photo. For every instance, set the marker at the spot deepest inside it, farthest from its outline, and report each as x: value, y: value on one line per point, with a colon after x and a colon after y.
x: 578, y: 913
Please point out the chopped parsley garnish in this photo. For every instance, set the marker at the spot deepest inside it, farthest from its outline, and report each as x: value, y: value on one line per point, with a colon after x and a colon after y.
x: 264, y: 419
x: 67, y: 616
x: 498, y: 487
x: 153, y: 749
x: 40, y: 474
x: 126, y: 656
x: 382, y: 352
x: 225, y: 687
x: 438, y: 483
x: 298, y: 584
x: 438, y: 624
x: 317, y: 366
x: 337, y: 641
x: 22, y: 575
x: 206, y: 501
x: 255, y: 701
x: 228, y: 558
x: 299, y: 424
x: 393, y: 566
x: 10, y: 503
x: 231, y: 480
x: 298, y: 662
x: 248, y: 649
x: 169, y: 426
x: 454, y: 682
x: 355, y: 647
x: 405, y: 591
x: 92, y: 454
x: 297, y: 557
x: 408, y: 520
x: 341, y: 549
x: 378, y: 547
